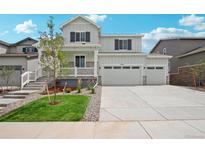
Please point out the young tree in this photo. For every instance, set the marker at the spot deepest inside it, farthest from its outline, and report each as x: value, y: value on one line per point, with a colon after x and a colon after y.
x: 198, y: 72
x: 6, y: 73
x: 52, y: 57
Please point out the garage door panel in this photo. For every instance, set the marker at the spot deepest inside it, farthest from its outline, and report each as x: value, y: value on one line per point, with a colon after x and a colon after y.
x: 126, y: 75
x: 156, y: 75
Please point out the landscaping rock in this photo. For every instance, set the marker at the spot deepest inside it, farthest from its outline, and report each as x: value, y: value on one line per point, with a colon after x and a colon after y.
x: 93, y: 110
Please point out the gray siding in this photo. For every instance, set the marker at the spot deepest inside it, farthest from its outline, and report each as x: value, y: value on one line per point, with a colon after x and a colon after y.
x: 18, y: 48
x: 179, y: 47
x: 3, y: 49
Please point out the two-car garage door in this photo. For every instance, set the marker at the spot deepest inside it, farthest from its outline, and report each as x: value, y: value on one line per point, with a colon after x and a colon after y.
x: 132, y: 75
x: 121, y: 75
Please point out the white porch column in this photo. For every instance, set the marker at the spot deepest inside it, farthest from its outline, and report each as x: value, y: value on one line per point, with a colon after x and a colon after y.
x: 95, y: 62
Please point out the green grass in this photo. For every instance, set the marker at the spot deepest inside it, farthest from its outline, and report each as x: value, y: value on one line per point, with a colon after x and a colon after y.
x: 71, y: 108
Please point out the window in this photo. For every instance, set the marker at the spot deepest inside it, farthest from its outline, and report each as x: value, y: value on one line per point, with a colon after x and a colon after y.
x: 80, y: 61
x: 164, y: 51
x: 150, y: 68
x: 135, y: 67
x: 159, y: 68
x: 29, y: 50
x: 123, y: 44
x: 10, y: 67
x: 108, y: 67
x: 126, y: 67
x: 117, y: 67
x: 79, y: 36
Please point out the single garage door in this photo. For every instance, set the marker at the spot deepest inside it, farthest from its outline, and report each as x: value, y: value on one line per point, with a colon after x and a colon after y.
x: 156, y: 75
x: 121, y: 75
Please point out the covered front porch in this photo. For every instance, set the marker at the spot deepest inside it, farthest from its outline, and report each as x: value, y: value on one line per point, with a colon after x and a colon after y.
x: 80, y: 62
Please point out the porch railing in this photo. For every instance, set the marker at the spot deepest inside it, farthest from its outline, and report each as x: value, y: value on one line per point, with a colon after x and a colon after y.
x: 66, y: 71
x: 74, y: 71
x: 29, y: 76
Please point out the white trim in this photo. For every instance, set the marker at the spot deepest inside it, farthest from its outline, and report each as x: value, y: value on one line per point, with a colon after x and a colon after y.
x: 121, y: 54
x: 73, y: 19
x: 155, y: 65
x: 159, y: 56
x: 121, y: 35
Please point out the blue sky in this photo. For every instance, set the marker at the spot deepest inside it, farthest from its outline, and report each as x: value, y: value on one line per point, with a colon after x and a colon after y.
x: 154, y: 27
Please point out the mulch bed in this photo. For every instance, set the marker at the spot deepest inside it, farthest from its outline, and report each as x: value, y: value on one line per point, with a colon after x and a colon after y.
x: 58, y: 90
x: 93, y: 110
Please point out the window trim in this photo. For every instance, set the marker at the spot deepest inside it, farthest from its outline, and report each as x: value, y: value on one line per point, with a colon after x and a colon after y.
x: 122, y: 44
x: 81, y: 35
x: 75, y: 60
x: 30, y: 48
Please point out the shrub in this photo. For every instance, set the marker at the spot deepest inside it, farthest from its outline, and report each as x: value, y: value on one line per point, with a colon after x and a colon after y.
x: 68, y: 90
x: 79, y: 86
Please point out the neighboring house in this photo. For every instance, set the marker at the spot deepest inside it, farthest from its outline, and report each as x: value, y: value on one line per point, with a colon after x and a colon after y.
x: 21, y: 56
x: 108, y: 59
x: 186, y: 52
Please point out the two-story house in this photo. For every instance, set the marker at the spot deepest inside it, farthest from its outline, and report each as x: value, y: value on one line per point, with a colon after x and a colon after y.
x: 108, y: 59
x: 21, y: 56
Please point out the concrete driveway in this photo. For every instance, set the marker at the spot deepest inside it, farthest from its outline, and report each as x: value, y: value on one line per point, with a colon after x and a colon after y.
x: 151, y: 103
x: 162, y: 111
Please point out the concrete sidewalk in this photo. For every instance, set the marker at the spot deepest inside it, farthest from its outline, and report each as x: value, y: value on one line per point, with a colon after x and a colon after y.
x: 108, y: 130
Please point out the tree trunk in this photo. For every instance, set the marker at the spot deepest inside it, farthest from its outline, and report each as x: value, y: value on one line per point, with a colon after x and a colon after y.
x: 7, y: 83
x: 54, y: 82
x: 194, y: 78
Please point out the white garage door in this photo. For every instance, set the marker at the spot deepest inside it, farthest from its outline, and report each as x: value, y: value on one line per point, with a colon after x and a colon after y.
x: 121, y: 75
x: 156, y: 75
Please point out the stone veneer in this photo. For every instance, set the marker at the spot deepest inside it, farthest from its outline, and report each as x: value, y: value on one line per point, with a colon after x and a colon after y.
x: 184, y: 77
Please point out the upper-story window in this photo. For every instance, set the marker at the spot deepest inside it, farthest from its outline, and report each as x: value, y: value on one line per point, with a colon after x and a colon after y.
x: 29, y: 50
x: 123, y: 44
x: 164, y: 52
x: 79, y: 36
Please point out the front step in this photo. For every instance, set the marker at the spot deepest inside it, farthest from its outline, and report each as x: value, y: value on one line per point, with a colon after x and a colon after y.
x: 15, y: 96
x: 33, y: 85
x: 37, y: 83
x: 18, y: 93
x: 32, y: 88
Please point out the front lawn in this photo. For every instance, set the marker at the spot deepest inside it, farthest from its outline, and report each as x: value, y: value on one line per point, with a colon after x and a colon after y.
x: 71, y: 108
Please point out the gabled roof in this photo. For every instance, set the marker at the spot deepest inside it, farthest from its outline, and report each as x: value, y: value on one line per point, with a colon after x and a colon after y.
x: 28, y: 38
x: 14, y: 44
x: 4, y: 43
x: 82, y: 17
x: 177, y: 38
x: 199, y: 50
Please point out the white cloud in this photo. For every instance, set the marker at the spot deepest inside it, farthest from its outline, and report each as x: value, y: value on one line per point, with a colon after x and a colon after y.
x: 26, y: 27
x: 192, y: 20
x: 151, y: 38
x: 4, y: 32
x: 97, y: 18
x: 200, y: 26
